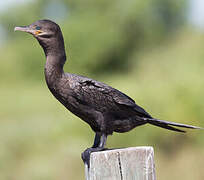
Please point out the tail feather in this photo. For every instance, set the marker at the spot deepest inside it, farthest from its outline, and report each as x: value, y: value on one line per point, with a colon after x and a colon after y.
x: 168, y: 125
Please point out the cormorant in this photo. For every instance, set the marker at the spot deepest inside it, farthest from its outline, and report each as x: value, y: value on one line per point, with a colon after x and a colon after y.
x: 104, y: 108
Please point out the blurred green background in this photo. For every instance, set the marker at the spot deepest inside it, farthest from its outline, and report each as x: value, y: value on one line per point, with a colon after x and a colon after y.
x: 152, y: 50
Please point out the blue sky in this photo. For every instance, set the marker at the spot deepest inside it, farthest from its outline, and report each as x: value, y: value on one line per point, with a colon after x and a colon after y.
x: 196, y: 14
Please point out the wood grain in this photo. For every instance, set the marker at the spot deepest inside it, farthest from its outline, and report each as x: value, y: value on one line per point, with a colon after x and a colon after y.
x: 135, y: 163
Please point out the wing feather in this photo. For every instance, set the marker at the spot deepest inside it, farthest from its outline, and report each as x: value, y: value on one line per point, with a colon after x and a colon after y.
x: 102, y: 96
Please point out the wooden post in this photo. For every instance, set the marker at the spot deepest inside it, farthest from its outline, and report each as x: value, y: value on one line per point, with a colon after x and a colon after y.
x: 135, y: 163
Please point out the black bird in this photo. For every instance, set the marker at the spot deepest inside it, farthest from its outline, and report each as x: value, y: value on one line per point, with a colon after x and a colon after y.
x: 104, y: 108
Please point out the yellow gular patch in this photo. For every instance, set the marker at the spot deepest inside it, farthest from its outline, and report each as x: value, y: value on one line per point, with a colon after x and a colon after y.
x: 38, y: 32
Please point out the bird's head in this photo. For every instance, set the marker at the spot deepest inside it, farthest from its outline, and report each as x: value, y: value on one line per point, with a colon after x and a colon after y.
x: 47, y: 32
x: 41, y: 29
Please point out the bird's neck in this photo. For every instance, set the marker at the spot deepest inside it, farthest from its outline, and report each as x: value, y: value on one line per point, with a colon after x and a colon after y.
x: 55, y: 58
x: 54, y: 68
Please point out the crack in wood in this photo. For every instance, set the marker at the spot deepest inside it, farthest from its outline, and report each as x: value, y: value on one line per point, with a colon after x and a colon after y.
x: 120, y: 168
x: 122, y: 164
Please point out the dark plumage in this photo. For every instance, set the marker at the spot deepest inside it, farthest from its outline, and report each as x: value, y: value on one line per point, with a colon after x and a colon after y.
x: 104, y: 108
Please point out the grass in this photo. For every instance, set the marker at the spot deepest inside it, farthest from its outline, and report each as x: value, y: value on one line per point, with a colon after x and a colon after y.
x: 40, y: 139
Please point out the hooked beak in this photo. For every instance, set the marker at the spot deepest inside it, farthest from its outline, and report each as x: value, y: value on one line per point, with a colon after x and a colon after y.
x: 23, y: 28
x: 28, y: 30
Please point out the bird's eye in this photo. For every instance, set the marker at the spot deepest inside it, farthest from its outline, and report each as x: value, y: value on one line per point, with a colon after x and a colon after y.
x: 37, y: 27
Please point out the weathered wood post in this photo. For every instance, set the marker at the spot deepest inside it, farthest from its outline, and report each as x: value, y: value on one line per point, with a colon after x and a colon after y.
x: 135, y: 163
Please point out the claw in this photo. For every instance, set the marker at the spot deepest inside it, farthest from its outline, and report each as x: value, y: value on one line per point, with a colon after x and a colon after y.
x: 86, y: 156
x: 87, y: 153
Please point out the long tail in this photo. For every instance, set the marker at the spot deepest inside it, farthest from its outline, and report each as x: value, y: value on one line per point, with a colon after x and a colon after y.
x: 169, y: 125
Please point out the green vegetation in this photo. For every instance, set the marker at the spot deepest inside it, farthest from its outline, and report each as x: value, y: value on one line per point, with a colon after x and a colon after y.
x: 142, y: 48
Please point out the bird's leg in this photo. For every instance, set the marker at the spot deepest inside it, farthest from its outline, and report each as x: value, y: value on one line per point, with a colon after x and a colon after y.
x: 103, y: 139
x: 97, y: 140
x: 99, y: 143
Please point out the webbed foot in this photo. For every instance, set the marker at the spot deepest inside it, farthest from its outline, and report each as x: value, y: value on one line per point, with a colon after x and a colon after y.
x: 86, y: 154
